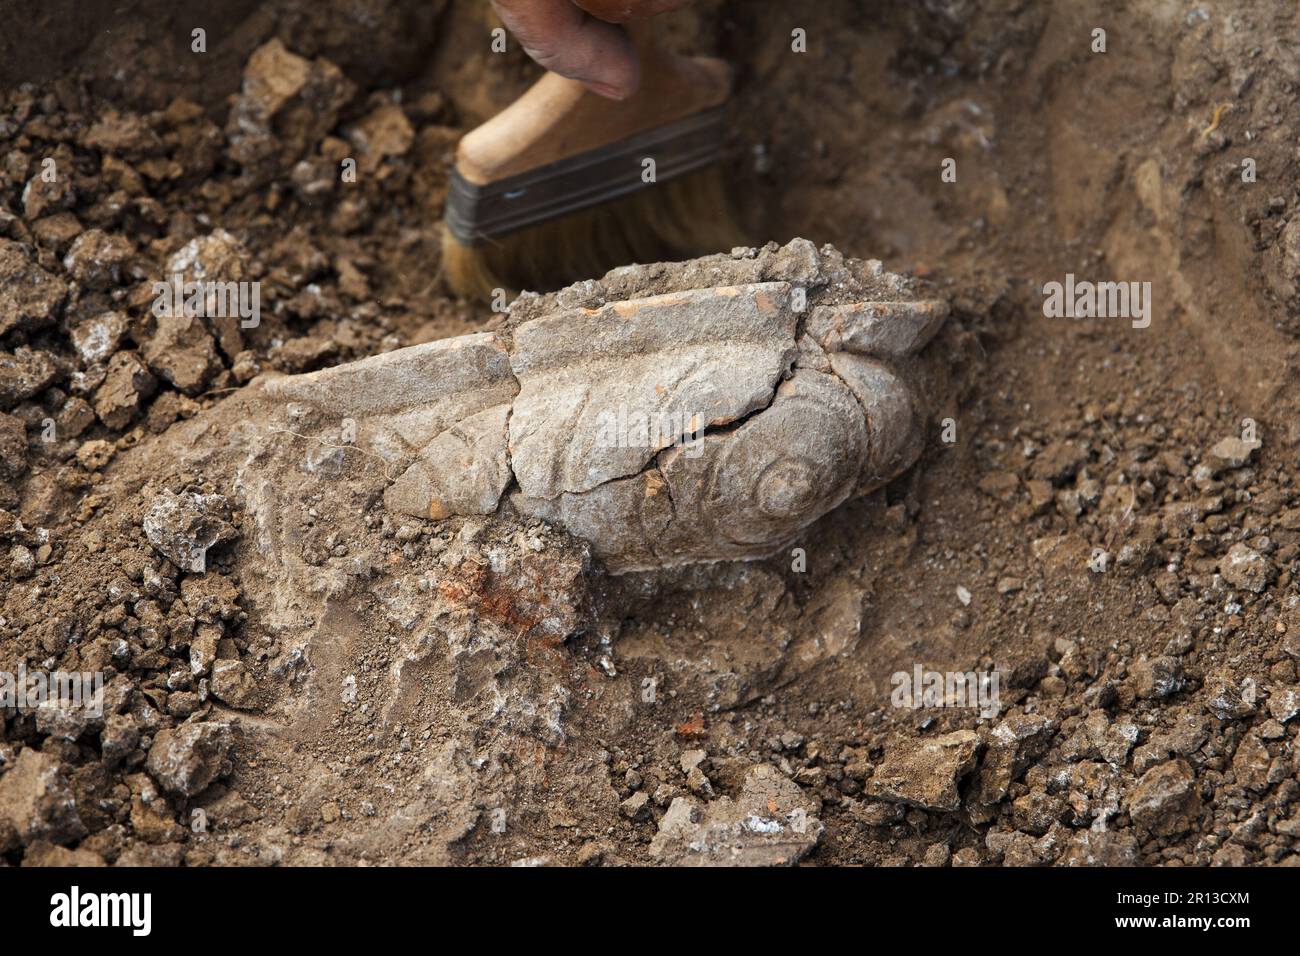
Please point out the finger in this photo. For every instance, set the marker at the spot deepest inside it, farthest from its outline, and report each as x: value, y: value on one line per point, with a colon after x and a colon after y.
x: 621, y: 11
x: 566, y: 41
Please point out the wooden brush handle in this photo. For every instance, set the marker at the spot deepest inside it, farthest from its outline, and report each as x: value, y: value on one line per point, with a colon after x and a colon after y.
x: 558, y: 117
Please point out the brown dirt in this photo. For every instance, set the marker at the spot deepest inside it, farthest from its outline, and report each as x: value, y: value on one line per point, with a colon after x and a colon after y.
x: 478, y: 692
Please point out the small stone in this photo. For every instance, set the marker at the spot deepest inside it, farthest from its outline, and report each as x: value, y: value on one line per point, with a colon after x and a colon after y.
x: 1157, y: 678
x: 1271, y: 730
x: 183, y: 353
x: 1291, y: 643
x: 304, y: 353
x: 1069, y: 503
x: 664, y: 794
x: 119, y: 738
x: 184, y: 760
x: 691, y: 759
x: 182, y: 703
x: 1284, y: 704
x: 1245, y: 568
x: 636, y: 807
x: 1226, y: 698
x: 42, y: 195
x: 1165, y: 800
x: 937, y: 855
x: 1250, y: 764
x: 203, y: 650
x: 245, y: 367
x: 151, y: 817
x: 29, y: 296
x: 1230, y: 453
x: 1098, y: 737
x: 94, y: 455
x: 56, y: 232
x: 698, y: 783
x: 126, y: 385
x: 1100, y: 848
x: 183, y: 528
x: 329, y: 811
x: 24, y: 373
x: 215, y: 258
x: 285, y: 105
x: 233, y: 684
x: 878, y: 813
x: 384, y: 132
x: 797, y: 261
x: 1231, y: 855
x: 64, y: 719
x: 1041, y: 495
x: 97, y: 339
x: 166, y: 409
x: 97, y: 260
x: 1015, y: 743
x: 22, y: 563
x: 36, y: 801
x: 74, y: 418
x: 925, y: 773
x: 770, y: 823
x: 1037, y: 811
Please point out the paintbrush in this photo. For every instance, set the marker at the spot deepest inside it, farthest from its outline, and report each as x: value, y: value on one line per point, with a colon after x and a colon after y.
x: 565, y: 184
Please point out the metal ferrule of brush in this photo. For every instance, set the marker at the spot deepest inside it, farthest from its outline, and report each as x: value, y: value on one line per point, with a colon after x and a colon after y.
x: 478, y: 214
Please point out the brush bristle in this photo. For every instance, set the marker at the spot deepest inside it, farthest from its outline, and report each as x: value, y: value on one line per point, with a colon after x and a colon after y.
x: 680, y: 219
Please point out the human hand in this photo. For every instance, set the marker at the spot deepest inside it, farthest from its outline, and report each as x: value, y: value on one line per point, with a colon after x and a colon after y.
x: 581, y: 39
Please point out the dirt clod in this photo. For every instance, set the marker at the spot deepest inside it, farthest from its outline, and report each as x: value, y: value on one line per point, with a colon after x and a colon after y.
x: 184, y: 527
x: 36, y: 801
x: 926, y: 774
x: 185, y: 760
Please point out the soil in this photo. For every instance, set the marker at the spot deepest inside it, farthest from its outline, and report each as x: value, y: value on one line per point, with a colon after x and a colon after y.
x: 1110, y: 520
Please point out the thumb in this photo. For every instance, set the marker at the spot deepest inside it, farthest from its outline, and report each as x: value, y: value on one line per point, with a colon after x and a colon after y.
x: 565, y: 40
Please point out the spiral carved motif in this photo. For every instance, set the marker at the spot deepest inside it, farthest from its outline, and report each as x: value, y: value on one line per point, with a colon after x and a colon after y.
x: 784, y: 468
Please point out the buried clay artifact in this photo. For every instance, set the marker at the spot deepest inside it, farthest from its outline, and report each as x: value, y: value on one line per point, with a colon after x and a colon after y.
x: 668, y: 414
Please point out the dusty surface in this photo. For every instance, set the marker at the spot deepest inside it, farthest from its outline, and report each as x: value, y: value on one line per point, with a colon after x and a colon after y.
x: 1103, y: 530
